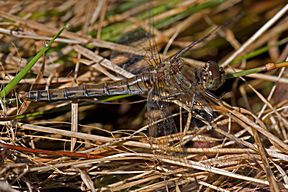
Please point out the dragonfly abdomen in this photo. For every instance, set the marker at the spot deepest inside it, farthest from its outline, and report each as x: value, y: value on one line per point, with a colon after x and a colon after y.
x: 138, y: 84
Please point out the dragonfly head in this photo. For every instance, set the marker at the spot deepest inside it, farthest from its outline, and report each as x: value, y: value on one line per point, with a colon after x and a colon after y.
x: 212, y: 76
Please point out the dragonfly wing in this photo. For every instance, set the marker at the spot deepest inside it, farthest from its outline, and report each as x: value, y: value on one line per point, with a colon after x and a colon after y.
x: 143, y: 38
x: 131, y: 62
x: 159, y: 116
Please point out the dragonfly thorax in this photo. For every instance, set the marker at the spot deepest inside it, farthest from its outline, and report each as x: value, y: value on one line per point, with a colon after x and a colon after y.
x: 176, y: 66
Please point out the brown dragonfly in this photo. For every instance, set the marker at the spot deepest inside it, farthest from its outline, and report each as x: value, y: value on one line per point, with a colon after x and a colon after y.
x: 166, y: 81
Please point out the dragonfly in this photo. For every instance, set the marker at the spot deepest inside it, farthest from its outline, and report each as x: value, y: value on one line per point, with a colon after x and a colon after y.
x: 167, y: 77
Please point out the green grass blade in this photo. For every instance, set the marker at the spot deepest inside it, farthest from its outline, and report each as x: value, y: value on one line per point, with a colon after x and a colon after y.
x: 12, y: 84
x: 267, y: 67
x: 259, y: 51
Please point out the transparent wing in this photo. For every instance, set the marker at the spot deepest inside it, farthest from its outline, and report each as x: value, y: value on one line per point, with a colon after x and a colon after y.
x: 142, y: 38
x: 130, y: 62
x: 159, y: 115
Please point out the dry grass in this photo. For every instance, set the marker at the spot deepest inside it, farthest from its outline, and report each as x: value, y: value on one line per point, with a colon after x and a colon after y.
x: 102, y: 145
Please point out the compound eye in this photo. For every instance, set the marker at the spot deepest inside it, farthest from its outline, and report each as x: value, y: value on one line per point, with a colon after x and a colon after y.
x: 212, y: 76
